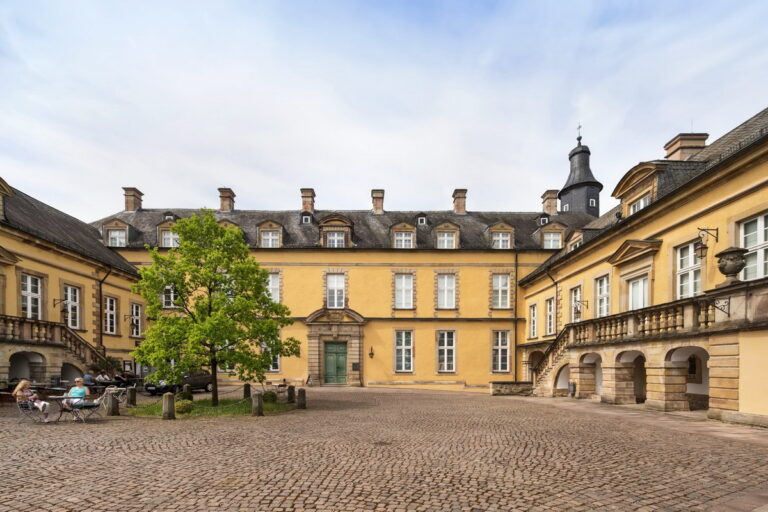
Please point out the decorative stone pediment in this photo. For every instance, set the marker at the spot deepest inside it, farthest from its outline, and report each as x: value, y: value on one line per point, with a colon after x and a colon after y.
x: 335, y: 219
x: 228, y: 223
x: 639, y: 176
x: 403, y: 226
x: 631, y: 250
x: 7, y: 257
x: 447, y: 226
x: 335, y: 316
x: 500, y: 226
x: 270, y: 225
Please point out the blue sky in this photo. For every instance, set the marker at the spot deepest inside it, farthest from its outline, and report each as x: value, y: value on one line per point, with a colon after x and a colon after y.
x: 417, y: 97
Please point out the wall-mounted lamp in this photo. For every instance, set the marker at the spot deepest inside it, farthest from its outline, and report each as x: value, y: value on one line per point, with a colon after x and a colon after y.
x: 370, y: 354
x: 64, y: 303
x: 701, y: 247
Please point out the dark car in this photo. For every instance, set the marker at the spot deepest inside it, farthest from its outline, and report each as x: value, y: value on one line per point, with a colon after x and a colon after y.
x: 201, y: 380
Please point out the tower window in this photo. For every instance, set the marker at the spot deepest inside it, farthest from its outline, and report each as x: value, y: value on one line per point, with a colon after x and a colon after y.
x: 566, y: 207
x: 592, y: 202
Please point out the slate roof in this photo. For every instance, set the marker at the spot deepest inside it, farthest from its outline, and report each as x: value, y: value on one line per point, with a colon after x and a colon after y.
x: 27, y: 214
x: 581, y: 173
x: 369, y: 231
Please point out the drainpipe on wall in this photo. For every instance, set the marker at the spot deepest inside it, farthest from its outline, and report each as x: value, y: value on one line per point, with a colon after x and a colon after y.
x: 101, y: 308
x: 514, y: 326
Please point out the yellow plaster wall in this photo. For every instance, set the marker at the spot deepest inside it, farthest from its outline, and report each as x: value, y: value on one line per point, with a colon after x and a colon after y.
x: 753, y: 384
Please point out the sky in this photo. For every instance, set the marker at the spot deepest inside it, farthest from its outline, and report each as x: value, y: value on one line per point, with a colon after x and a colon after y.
x: 416, y: 97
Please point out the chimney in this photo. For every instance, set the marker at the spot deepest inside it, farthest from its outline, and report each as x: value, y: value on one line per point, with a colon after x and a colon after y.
x: 226, y: 199
x: 308, y: 200
x: 549, y: 202
x: 132, y: 199
x: 377, y: 196
x: 685, y: 145
x: 460, y: 201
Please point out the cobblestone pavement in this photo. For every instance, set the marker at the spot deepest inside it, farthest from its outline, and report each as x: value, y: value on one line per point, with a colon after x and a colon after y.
x: 388, y: 450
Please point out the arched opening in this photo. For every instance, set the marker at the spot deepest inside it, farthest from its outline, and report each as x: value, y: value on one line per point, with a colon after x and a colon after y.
x: 634, y: 361
x: 533, y: 359
x: 562, y: 380
x: 70, y: 372
x: 696, y: 365
x: 26, y: 365
x: 592, y: 372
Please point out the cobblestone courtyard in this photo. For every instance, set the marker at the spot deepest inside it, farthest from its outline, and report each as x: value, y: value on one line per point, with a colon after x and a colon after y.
x: 394, y: 450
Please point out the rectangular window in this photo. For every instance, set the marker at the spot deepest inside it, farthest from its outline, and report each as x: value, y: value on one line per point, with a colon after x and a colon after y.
x: 500, y: 299
x: 403, y: 291
x: 638, y: 293
x: 551, y: 240
x: 135, y: 320
x: 532, y: 321
x: 640, y: 204
x: 273, y: 287
x: 688, y: 275
x: 446, y: 351
x: 169, y: 297
x: 72, y: 306
x: 335, y: 239
x: 501, y: 351
x: 501, y: 241
x: 110, y: 315
x: 270, y: 239
x: 403, y: 351
x: 550, y: 320
x: 275, y: 364
x: 603, y: 296
x: 31, y: 293
x: 334, y: 284
x: 169, y: 238
x: 754, y: 236
x: 116, y: 237
x: 446, y: 240
x: 575, y: 245
x: 403, y: 240
x: 576, y: 304
x: 446, y: 291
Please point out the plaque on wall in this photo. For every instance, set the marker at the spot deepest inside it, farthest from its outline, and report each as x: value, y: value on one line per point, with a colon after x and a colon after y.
x: 355, y: 367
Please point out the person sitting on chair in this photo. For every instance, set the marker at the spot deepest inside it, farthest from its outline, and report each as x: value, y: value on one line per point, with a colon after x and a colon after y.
x: 76, y: 394
x: 102, y: 377
x: 23, y: 393
x: 89, y: 381
x: 120, y: 379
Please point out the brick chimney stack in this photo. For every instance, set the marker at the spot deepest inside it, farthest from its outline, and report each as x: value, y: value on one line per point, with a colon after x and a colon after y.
x: 549, y: 202
x: 226, y: 199
x: 460, y: 201
x: 377, y: 196
x: 684, y: 145
x: 308, y: 200
x: 132, y: 199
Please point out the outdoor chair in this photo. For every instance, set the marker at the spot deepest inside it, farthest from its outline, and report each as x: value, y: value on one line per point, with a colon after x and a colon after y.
x: 28, y: 411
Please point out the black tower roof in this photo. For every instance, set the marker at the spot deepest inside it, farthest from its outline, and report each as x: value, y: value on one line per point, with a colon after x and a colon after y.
x: 580, y: 174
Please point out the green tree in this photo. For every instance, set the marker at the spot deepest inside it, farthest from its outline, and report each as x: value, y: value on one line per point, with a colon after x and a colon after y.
x: 209, y: 306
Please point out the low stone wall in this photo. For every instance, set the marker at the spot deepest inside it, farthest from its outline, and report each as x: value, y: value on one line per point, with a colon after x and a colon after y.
x: 511, y: 388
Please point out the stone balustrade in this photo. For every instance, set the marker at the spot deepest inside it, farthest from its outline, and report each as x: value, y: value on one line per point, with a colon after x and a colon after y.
x: 30, y: 330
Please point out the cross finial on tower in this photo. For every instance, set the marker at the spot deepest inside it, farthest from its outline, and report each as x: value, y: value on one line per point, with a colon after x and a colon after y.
x: 578, y: 130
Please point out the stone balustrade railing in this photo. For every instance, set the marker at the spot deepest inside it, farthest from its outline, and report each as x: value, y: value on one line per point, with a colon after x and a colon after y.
x: 30, y: 330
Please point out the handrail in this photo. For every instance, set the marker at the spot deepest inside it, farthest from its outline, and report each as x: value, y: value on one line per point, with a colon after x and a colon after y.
x: 44, y: 331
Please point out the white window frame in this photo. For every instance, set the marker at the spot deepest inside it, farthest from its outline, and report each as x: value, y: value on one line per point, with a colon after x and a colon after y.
x: 544, y: 221
x: 500, y: 352
x: 603, y: 296
x: 269, y: 239
x: 446, y: 239
x: 566, y: 207
x: 306, y: 219
x: 335, y: 291
x: 577, y: 315
x: 632, y: 285
x: 421, y: 221
x: 168, y: 238
x: 501, y: 240
x: 446, y: 351
x: 169, y: 298
x: 274, y: 365
x: 110, y: 315
x: 549, y: 307
x: 273, y: 286
x: 117, y: 237
x: 72, y: 305
x: 403, y: 239
x: 446, y: 291
x: 643, y: 202
x: 335, y: 239
x: 533, y: 311
x: 575, y: 245
x: 552, y: 240
x: 136, y: 320
x: 500, y: 291
x: 593, y: 202
x: 31, y: 301
x: 757, y: 255
x: 688, y: 271
x: 403, y: 351
x: 403, y: 291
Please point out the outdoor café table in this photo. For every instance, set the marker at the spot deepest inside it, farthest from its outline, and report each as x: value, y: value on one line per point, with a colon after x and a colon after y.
x: 60, y: 401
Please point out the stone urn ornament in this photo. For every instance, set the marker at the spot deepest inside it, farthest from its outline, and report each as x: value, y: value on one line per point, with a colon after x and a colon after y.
x: 730, y: 262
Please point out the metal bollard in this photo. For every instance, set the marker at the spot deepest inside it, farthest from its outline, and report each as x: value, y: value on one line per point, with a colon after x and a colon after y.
x: 169, y: 406
x: 302, y: 400
x: 246, y: 390
x: 257, y: 405
x: 132, y: 396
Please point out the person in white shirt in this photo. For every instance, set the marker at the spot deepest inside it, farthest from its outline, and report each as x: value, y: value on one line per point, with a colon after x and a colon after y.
x: 102, y: 377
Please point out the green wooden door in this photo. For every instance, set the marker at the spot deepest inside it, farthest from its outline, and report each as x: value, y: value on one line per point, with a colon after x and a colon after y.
x: 335, y: 370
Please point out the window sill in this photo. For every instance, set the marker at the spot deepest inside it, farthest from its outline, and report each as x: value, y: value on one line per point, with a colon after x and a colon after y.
x: 403, y: 372
x: 501, y: 372
x: 447, y: 373
x: 501, y: 309
x: 113, y: 335
x: 403, y: 309
x: 446, y: 309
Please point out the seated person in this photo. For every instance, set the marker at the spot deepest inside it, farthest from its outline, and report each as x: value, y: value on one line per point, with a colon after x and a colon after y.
x: 76, y: 394
x: 102, y: 377
x: 23, y: 393
x: 89, y: 381
x: 120, y: 379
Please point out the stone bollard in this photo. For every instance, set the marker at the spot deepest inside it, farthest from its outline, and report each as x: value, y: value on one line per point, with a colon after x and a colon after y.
x: 186, y: 392
x: 246, y: 390
x: 291, y: 394
x: 302, y: 401
x: 132, y: 396
x: 257, y: 405
x: 113, y: 406
x: 169, y: 406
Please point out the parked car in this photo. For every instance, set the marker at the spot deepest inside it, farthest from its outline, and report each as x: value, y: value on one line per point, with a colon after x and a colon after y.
x: 201, y: 380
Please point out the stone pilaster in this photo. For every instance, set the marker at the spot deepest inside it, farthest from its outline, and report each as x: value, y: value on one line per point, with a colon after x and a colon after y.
x: 584, y: 376
x: 723, y: 375
x: 666, y: 386
x: 618, y: 384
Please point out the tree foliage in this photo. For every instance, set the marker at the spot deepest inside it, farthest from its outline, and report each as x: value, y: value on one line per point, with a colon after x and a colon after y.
x: 222, y: 314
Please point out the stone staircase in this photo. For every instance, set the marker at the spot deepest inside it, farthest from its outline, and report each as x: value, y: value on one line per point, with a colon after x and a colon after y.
x: 556, y: 353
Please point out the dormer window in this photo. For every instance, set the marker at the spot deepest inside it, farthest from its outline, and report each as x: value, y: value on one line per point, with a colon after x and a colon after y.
x: 575, y: 245
x: 335, y: 239
x: 500, y: 240
x: 421, y: 221
x: 403, y: 240
x: 270, y: 239
x: 641, y: 203
x: 543, y: 220
x: 446, y: 240
x: 551, y: 240
x: 116, y: 237
x: 168, y: 238
x: 306, y: 219
x: 168, y: 216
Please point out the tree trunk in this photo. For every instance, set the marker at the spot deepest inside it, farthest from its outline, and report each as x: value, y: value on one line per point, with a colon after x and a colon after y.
x: 215, y: 382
